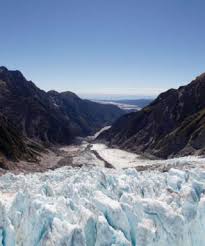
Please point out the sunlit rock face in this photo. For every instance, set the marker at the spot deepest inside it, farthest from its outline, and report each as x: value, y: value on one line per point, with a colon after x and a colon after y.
x: 97, y: 206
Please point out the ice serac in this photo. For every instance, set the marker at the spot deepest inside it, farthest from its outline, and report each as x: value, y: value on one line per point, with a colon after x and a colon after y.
x: 96, y: 206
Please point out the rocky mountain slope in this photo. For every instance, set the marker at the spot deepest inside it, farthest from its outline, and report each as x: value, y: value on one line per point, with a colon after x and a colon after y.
x: 46, y: 118
x: 172, y: 125
x: 11, y: 142
x: 30, y: 109
x: 86, y: 117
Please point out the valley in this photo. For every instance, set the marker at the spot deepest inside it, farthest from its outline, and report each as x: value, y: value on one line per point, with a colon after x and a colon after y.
x: 87, y: 152
x: 78, y: 173
x: 102, y: 123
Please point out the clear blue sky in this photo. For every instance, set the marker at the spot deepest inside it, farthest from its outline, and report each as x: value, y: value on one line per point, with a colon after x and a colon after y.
x: 132, y: 47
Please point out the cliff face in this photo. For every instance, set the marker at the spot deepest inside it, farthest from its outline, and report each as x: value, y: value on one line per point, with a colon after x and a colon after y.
x: 174, y: 124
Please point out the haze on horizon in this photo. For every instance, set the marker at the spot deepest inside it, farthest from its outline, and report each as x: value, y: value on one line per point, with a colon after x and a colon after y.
x: 104, y: 48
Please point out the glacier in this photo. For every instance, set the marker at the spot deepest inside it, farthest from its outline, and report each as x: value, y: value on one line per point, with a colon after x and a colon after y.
x: 97, y: 206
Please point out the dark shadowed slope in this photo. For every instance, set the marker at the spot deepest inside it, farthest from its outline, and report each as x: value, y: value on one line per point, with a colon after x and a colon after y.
x: 31, y: 110
x: 86, y: 117
x: 13, y: 145
x: 174, y: 124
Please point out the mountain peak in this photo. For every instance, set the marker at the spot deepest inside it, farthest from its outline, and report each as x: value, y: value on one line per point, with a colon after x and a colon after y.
x: 69, y: 94
x: 53, y: 93
x: 6, y: 73
x: 3, y: 69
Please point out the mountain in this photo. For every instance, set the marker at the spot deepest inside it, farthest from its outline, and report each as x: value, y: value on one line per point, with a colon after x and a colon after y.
x: 86, y: 117
x: 172, y: 125
x: 31, y: 110
x: 48, y: 118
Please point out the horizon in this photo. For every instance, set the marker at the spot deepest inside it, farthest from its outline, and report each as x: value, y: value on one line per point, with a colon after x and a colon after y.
x: 107, y: 48
x: 108, y: 96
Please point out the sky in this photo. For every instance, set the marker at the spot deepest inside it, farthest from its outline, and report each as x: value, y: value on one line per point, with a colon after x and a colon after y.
x: 100, y: 48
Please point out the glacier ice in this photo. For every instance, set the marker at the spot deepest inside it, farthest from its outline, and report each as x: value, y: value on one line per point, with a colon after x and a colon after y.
x: 95, y: 206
